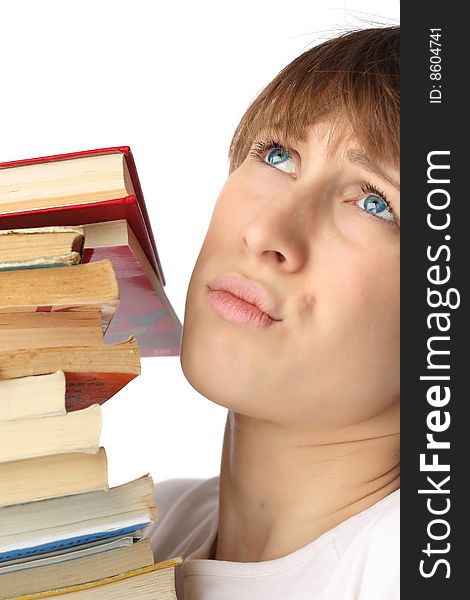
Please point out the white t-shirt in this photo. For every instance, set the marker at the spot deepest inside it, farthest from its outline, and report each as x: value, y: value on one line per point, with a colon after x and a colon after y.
x: 356, y: 560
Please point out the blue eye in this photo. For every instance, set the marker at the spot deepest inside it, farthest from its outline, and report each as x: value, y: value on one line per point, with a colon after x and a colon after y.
x: 279, y: 157
x: 275, y: 155
x: 376, y: 205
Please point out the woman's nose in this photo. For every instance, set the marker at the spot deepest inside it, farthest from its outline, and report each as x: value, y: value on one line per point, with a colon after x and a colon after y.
x: 278, y: 233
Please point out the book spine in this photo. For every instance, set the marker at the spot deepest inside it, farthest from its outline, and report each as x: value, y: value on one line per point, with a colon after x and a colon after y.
x: 143, y: 207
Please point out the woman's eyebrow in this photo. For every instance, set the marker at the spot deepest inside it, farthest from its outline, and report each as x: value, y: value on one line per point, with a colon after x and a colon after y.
x: 357, y: 157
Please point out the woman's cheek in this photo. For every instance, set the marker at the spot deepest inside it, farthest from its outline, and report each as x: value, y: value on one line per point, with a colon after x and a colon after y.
x: 369, y: 232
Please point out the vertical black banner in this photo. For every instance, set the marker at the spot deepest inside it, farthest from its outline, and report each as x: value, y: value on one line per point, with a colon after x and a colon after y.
x: 435, y: 268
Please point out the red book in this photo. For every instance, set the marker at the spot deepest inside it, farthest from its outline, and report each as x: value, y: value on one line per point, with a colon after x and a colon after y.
x: 76, y: 188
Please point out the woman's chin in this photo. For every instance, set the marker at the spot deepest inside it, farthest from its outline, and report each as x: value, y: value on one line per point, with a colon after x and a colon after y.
x: 212, y: 374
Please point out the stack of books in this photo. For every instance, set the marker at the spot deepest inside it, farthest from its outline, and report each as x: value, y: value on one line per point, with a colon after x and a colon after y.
x: 99, y: 188
x: 81, y: 298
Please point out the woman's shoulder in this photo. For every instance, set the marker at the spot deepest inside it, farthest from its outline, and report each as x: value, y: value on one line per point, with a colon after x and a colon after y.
x: 372, y: 556
x: 377, y: 530
x: 384, y: 529
x: 186, y: 515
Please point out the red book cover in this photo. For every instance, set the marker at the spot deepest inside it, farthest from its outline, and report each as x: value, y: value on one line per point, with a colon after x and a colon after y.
x: 84, y: 389
x: 132, y: 207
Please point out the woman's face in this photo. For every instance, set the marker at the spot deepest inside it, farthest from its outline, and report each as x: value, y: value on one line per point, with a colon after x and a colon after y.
x: 315, y: 233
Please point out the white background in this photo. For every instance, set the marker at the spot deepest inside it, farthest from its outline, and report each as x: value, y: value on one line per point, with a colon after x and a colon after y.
x: 171, y: 80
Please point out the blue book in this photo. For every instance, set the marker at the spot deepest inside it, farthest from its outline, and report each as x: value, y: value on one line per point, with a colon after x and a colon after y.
x: 35, y: 528
x: 68, y: 543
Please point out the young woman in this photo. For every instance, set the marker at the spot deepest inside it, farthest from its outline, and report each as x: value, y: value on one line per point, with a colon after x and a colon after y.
x: 292, y: 323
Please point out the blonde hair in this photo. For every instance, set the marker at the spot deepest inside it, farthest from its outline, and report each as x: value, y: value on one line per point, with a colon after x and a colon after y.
x: 353, y: 79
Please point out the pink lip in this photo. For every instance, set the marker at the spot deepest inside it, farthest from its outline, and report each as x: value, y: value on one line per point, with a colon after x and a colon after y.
x: 242, y: 301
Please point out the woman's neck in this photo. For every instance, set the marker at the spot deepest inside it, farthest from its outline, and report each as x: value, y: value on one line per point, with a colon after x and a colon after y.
x: 281, y: 487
